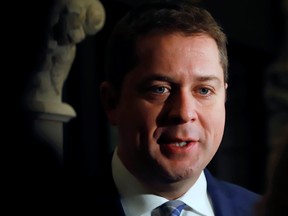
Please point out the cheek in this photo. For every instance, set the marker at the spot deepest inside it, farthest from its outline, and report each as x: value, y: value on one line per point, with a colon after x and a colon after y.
x: 144, y: 123
x: 214, y: 123
x: 136, y: 130
x: 137, y: 117
x: 218, y: 124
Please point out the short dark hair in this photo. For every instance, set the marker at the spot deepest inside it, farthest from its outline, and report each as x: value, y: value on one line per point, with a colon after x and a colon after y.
x: 159, y: 18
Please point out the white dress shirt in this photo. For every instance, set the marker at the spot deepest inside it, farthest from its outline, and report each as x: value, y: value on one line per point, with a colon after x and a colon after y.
x: 137, y: 202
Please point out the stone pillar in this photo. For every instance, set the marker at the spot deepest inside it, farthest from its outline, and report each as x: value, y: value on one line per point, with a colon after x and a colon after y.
x: 71, y: 21
x: 276, y: 94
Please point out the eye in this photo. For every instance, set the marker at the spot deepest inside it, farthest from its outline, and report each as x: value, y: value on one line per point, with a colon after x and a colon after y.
x: 159, y: 89
x: 204, y: 91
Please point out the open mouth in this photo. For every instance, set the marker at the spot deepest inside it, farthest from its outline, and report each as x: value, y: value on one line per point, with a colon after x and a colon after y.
x: 181, y: 144
x: 173, y: 141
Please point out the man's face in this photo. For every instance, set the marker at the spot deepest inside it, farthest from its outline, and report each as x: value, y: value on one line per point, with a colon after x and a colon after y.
x: 171, y: 112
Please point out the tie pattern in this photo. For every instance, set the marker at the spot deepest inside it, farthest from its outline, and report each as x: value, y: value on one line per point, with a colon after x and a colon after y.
x: 170, y: 208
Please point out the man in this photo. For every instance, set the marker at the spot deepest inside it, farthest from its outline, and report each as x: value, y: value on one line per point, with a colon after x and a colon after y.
x: 165, y: 92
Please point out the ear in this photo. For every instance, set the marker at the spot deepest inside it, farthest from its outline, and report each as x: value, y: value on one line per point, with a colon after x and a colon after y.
x: 226, y: 87
x: 109, y: 101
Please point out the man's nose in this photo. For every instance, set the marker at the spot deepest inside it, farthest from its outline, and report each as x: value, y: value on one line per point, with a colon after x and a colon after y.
x: 182, y: 107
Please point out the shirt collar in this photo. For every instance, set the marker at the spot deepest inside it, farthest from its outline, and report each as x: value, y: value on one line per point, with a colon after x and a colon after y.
x: 137, y: 201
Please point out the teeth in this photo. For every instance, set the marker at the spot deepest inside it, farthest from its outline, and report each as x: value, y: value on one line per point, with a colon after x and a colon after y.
x: 180, y: 144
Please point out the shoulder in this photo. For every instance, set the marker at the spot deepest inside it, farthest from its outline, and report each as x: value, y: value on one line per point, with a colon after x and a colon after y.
x: 226, y: 195
x: 228, y: 187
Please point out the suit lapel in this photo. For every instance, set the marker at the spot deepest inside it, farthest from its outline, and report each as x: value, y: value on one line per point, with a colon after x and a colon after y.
x: 230, y: 199
x: 222, y: 205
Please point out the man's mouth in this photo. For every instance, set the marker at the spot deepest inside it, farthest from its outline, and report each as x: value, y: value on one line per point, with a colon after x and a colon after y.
x: 181, y: 144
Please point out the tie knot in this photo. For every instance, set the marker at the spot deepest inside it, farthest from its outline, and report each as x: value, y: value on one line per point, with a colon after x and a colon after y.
x: 169, y: 208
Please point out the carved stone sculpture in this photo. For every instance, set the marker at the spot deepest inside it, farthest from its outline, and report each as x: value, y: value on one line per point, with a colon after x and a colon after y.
x: 71, y: 22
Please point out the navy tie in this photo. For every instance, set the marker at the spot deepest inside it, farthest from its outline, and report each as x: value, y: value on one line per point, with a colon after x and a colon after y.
x: 170, y: 208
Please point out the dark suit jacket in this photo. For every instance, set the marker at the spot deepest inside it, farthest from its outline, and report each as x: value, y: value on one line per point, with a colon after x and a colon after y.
x: 228, y: 199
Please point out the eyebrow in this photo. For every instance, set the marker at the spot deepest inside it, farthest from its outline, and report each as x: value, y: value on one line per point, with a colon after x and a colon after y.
x: 169, y: 79
x: 208, y: 78
x: 159, y: 78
